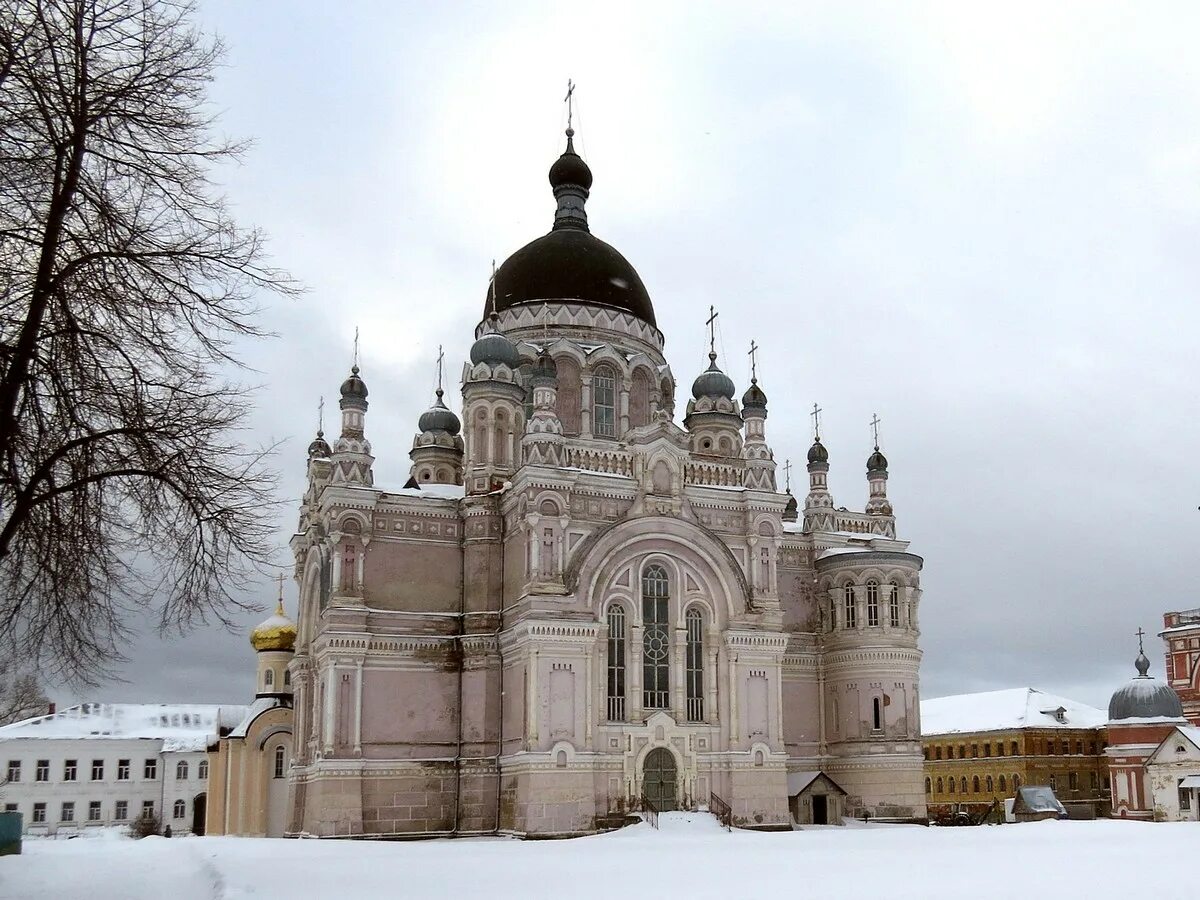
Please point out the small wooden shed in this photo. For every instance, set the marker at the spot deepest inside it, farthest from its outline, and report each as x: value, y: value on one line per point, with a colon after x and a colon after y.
x: 815, y: 799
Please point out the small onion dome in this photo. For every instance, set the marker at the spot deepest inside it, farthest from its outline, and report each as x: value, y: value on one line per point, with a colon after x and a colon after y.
x: 319, y: 448
x: 438, y: 418
x: 712, y: 382
x: 876, y: 462
x: 545, y: 370
x: 275, y: 633
x: 354, y: 387
x: 1144, y: 697
x: 791, y: 512
x: 493, y: 348
x: 754, y: 398
x: 817, y: 453
x: 570, y: 167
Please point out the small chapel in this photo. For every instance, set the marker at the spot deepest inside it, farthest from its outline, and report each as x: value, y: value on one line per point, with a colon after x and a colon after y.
x: 592, y: 597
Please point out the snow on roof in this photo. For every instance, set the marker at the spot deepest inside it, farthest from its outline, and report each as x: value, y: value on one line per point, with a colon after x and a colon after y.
x: 178, y: 726
x: 256, y: 709
x: 1006, y: 709
x: 432, y: 491
x: 837, y: 551
x: 1038, y: 798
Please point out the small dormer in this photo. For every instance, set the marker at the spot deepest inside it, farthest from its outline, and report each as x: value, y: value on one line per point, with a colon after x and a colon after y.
x: 1059, y: 714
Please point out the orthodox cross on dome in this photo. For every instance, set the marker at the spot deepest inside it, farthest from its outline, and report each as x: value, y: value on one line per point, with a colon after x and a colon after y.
x: 321, y: 416
x: 875, y: 423
x: 1140, y: 634
x: 569, y: 101
x: 279, y: 609
x: 816, y: 417
x: 753, y: 354
x: 787, y: 475
x: 441, y: 356
x: 355, y: 365
x: 712, y: 331
x: 492, y: 288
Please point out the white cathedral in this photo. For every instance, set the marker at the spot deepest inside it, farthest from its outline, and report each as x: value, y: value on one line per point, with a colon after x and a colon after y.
x: 577, y: 608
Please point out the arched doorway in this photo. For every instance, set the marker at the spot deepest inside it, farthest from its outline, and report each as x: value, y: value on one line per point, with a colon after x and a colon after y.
x: 199, y: 808
x: 658, y: 779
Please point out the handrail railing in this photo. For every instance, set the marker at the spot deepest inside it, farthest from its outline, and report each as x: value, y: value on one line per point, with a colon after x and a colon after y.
x: 722, y: 810
x: 649, y: 811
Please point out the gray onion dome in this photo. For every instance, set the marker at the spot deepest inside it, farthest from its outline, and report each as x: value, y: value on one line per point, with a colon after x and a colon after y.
x: 754, y: 398
x: 319, y: 448
x: 494, y: 348
x: 817, y: 453
x: 439, y: 418
x: 791, y: 512
x: 712, y: 382
x: 877, y: 462
x: 354, y: 387
x: 1144, y: 697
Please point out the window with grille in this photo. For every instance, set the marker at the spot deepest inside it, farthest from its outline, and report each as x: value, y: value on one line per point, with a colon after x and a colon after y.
x: 872, y: 603
x: 850, y: 618
x: 604, y: 403
x: 656, y: 641
x: 616, y: 664
x: 695, y: 666
x: 894, y: 605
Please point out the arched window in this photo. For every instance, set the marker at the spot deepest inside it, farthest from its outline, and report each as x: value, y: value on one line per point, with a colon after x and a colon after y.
x: 287, y: 677
x: 500, y: 439
x: 940, y: 786
x: 872, y: 603
x: 695, y: 666
x: 951, y: 785
x: 639, y: 399
x: 180, y: 809
x: 202, y: 770
x: 990, y: 784
x: 570, y: 388
x: 894, y: 605
x: 1016, y: 781
x: 832, y: 614
x: 876, y: 714
x: 181, y: 771
x: 656, y: 641
x: 850, y: 619
x: 963, y: 784
x: 1014, y: 748
x: 975, y: 784
x: 269, y: 677
x: 1003, y: 785
x: 604, y: 403
x: 616, y: 664
x: 279, y: 761
x: 928, y: 786
x: 349, y: 566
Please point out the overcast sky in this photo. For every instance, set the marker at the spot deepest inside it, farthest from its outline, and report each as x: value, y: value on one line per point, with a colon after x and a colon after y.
x: 981, y: 226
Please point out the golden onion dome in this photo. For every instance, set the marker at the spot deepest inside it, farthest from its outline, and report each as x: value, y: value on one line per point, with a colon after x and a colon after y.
x: 275, y: 633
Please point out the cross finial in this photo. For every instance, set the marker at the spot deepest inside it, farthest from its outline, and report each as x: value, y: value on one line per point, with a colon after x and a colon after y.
x: 787, y: 475
x: 569, y: 100
x: 1140, y: 635
x: 441, y: 356
x: 712, y: 331
x: 321, y: 417
x: 354, y: 367
x: 279, y: 605
x: 816, y: 417
x: 492, y: 288
x: 753, y: 354
x: 875, y: 423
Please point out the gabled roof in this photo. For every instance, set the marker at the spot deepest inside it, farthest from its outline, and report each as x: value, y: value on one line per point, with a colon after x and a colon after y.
x: 180, y: 726
x: 799, y: 782
x: 1181, y: 735
x: 1005, y: 710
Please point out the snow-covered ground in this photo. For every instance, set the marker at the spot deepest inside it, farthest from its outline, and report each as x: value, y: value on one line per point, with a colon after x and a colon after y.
x: 690, y: 857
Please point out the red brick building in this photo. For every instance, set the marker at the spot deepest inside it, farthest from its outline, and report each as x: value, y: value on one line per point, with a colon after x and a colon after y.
x: 1181, y: 633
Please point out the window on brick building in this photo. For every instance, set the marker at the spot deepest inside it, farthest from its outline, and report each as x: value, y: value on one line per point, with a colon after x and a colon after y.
x: 1015, y: 751
x: 928, y: 786
x: 1003, y: 785
x: 987, y: 750
x: 990, y: 784
x: 974, y: 784
x: 940, y: 787
x: 962, y: 783
x: 951, y: 786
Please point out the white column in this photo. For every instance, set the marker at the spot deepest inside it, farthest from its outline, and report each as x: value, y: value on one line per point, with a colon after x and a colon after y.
x: 330, y: 679
x: 711, y: 674
x: 531, y: 711
x: 633, y: 667
x: 358, y: 692
x: 733, y: 696
x: 679, y: 673
x: 623, y: 423
x: 585, y: 405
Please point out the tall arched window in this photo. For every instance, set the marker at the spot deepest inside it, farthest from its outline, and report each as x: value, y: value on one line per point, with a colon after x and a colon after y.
x: 181, y: 771
x: 951, y: 785
x: 570, y: 387
x: 894, y: 605
x: 850, y: 619
x: 876, y: 714
x: 279, y: 761
x: 695, y: 666
x: 832, y: 614
x: 928, y: 786
x: 604, y: 403
x: 990, y: 784
x: 1016, y: 781
x: 656, y: 642
x: 963, y: 784
x: 940, y: 786
x: 616, y: 664
x: 287, y: 677
x: 202, y: 770
x: 974, y: 784
x: 872, y: 603
x: 180, y: 809
x: 1003, y: 785
x: 639, y: 399
x: 269, y: 678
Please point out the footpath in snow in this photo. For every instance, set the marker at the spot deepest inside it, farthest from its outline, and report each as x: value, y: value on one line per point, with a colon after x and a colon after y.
x: 690, y: 856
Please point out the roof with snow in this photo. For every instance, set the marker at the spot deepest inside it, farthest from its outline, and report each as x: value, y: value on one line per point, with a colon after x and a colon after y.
x: 179, y: 726
x: 1038, y: 799
x: 1005, y: 710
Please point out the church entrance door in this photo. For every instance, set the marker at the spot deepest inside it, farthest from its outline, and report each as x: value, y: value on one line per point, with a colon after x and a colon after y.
x: 199, y: 807
x: 658, y: 779
x: 820, y: 810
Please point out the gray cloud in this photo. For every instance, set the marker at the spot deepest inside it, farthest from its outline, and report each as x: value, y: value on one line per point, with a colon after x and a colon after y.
x: 982, y: 228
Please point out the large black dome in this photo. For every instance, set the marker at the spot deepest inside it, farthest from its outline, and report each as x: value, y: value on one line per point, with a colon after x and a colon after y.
x: 570, y: 263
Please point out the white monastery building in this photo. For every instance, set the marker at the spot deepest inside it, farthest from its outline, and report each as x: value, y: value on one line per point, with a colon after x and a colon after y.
x: 100, y: 764
x: 578, y: 606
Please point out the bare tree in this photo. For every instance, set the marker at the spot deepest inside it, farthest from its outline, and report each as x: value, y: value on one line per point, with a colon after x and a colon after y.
x: 124, y: 283
x: 21, y: 697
